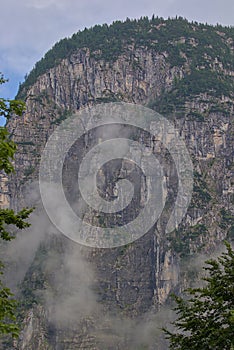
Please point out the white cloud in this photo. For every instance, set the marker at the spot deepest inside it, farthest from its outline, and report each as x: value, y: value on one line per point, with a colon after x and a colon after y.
x: 40, y: 4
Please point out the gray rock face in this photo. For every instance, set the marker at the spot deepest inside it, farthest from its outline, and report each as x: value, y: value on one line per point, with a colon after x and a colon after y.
x: 84, y: 298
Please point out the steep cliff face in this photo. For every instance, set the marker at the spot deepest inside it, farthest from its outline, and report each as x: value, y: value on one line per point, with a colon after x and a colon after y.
x: 82, y: 298
x: 80, y: 81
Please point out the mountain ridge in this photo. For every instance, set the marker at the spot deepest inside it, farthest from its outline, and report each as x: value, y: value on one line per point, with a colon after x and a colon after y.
x: 156, y: 33
x: 127, y: 286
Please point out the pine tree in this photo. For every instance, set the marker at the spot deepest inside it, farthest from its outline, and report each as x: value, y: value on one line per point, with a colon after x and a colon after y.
x: 8, y: 216
x: 206, y: 316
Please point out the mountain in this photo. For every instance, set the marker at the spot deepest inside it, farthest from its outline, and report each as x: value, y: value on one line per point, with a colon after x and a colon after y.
x: 77, y: 297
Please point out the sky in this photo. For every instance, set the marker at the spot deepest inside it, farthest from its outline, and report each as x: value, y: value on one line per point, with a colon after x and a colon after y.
x: 29, y: 28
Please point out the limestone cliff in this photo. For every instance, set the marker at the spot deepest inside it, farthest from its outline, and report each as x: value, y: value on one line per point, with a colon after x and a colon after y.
x: 128, y: 285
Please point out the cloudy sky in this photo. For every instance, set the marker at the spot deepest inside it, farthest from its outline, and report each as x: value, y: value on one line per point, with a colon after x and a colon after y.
x: 29, y: 28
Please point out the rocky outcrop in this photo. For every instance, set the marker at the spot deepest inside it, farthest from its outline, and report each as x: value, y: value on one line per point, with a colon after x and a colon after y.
x: 130, y: 282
